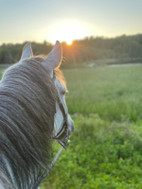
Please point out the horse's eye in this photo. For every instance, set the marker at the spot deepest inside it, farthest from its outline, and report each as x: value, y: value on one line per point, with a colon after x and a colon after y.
x: 63, y: 92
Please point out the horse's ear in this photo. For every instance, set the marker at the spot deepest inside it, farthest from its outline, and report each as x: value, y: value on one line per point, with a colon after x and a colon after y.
x: 54, y: 58
x: 27, y: 51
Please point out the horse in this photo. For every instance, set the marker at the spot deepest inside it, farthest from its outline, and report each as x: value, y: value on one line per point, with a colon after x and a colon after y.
x: 33, y: 113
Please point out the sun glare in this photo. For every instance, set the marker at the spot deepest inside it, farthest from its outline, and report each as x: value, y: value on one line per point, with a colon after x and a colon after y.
x: 67, y: 31
x: 69, y: 42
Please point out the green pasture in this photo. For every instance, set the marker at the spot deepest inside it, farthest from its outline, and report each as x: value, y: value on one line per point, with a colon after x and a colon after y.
x: 105, y: 150
x: 110, y: 92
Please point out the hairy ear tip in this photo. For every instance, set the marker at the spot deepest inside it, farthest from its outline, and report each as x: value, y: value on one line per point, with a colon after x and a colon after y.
x: 28, y: 44
x: 58, y: 45
x: 57, y: 42
x: 27, y: 51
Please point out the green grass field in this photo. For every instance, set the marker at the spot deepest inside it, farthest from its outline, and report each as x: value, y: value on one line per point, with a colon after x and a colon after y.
x: 105, y: 151
x: 111, y: 92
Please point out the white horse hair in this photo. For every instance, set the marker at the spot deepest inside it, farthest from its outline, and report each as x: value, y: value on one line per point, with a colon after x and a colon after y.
x: 30, y: 117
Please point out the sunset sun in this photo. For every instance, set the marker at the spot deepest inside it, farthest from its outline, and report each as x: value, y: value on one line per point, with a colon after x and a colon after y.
x: 67, y: 31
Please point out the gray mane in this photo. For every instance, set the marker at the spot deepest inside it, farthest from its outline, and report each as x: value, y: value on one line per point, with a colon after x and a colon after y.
x: 27, y: 108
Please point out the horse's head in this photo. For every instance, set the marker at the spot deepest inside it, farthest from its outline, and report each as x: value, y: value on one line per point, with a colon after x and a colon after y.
x: 63, y: 124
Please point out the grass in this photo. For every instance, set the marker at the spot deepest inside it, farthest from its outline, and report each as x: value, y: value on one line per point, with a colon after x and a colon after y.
x: 105, y: 148
x: 105, y: 151
x: 109, y: 92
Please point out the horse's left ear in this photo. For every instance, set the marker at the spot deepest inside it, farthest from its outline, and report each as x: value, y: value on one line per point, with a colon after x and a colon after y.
x: 27, y: 51
x: 54, y: 58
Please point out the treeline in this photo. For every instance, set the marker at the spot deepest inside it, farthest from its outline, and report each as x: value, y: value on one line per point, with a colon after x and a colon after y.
x: 11, y: 53
x: 121, y: 49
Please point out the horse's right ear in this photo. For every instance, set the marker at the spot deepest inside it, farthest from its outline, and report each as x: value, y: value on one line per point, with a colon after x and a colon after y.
x: 27, y: 51
x: 54, y: 58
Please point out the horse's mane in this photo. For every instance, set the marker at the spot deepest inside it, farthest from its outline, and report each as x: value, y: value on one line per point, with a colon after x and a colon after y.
x: 27, y: 108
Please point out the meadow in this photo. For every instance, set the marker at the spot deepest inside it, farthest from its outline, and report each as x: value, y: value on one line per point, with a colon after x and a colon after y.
x: 105, y: 150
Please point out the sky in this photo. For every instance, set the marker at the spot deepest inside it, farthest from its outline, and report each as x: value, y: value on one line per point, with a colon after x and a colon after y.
x: 63, y: 20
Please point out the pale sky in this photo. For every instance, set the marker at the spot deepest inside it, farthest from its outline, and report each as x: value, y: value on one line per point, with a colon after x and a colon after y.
x: 51, y: 20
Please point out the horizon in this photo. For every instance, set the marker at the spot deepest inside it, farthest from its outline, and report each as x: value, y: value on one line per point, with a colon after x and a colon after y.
x: 69, y: 44
x: 40, y: 21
